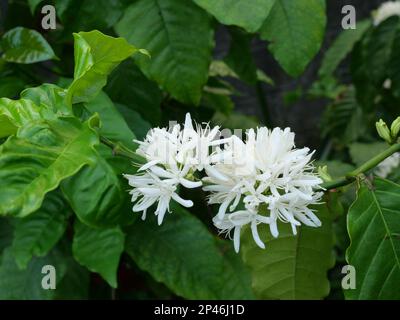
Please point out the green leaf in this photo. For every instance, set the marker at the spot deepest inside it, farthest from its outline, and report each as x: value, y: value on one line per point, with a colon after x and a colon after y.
x: 362, y: 152
x: 38, y: 233
x: 249, y: 15
x: 113, y: 125
x: 235, y: 121
x: 49, y: 96
x: 374, y: 228
x: 129, y: 86
x: 295, y: 30
x: 46, y: 102
x: 72, y: 280
x: 33, y: 4
x: 371, y: 60
x: 291, y: 267
x: 179, y: 36
x: 240, y: 58
x: 21, y: 45
x: 99, y: 250
x: 95, y: 193
x: 96, y: 55
x: 36, y: 160
x: 341, y: 47
x: 138, y: 125
x: 183, y: 255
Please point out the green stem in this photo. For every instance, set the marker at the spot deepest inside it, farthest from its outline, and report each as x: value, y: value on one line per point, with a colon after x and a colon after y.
x: 120, y: 150
x: 352, y: 176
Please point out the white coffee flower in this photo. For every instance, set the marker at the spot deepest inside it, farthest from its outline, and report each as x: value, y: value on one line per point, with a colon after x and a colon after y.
x: 266, y: 171
x: 173, y: 155
x: 386, y: 10
x: 386, y: 167
x: 236, y: 220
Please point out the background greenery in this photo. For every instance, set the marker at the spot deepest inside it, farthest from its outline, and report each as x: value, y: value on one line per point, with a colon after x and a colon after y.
x: 63, y: 201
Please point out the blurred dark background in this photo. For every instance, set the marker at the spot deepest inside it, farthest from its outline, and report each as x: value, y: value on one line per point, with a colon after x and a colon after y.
x: 287, y: 105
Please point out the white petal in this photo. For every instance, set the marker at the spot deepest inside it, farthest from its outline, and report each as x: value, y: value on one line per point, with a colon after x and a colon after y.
x: 183, y: 202
x: 273, y: 228
x: 256, y: 236
x: 236, y: 239
x: 148, y: 165
x: 190, y: 184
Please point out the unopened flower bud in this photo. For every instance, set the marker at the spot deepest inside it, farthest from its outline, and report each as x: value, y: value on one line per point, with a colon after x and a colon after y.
x: 383, y: 131
x: 395, y: 128
x: 323, y: 173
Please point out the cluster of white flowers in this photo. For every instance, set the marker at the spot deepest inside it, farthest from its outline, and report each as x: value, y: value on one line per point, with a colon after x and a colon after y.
x: 388, y: 165
x: 259, y: 180
x: 386, y: 10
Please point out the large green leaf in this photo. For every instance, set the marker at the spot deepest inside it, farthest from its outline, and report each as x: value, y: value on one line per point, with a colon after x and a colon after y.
x: 291, y: 267
x: 138, y: 125
x: 99, y: 250
x: 249, y: 15
x: 183, y: 255
x: 6, y: 233
x: 95, y: 193
x: 129, y: 86
x: 341, y: 47
x: 295, y: 30
x: 374, y: 228
x: 179, y: 37
x: 41, y: 155
x: 23, y: 45
x: 96, y: 55
x: 38, y: 233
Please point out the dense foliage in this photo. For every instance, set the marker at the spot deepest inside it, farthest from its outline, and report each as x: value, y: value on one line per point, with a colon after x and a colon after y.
x: 75, y: 98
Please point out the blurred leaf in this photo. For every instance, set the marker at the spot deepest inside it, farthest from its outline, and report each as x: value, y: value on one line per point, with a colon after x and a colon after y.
x: 341, y: 47
x: 179, y: 37
x: 96, y: 55
x: 21, y: 45
x: 11, y: 86
x: 235, y: 121
x: 295, y: 30
x: 37, y: 234
x: 127, y: 85
x: 99, y: 250
x: 291, y: 267
x: 6, y: 233
x: 240, y: 58
x: 33, y: 4
x: 371, y: 59
x: 374, y: 229
x: 221, y: 103
x: 249, y: 15
x: 39, y: 158
x: 183, y: 255
x: 362, y: 152
x: 336, y: 168
x: 219, y: 68
x: 86, y: 15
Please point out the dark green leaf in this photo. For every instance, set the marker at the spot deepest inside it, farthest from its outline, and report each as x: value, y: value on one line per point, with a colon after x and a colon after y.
x: 37, y: 234
x: 183, y: 255
x: 374, y: 228
x: 99, y: 250
x: 291, y: 267
x: 128, y: 85
x: 296, y: 31
x: 178, y: 36
x: 249, y: 15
